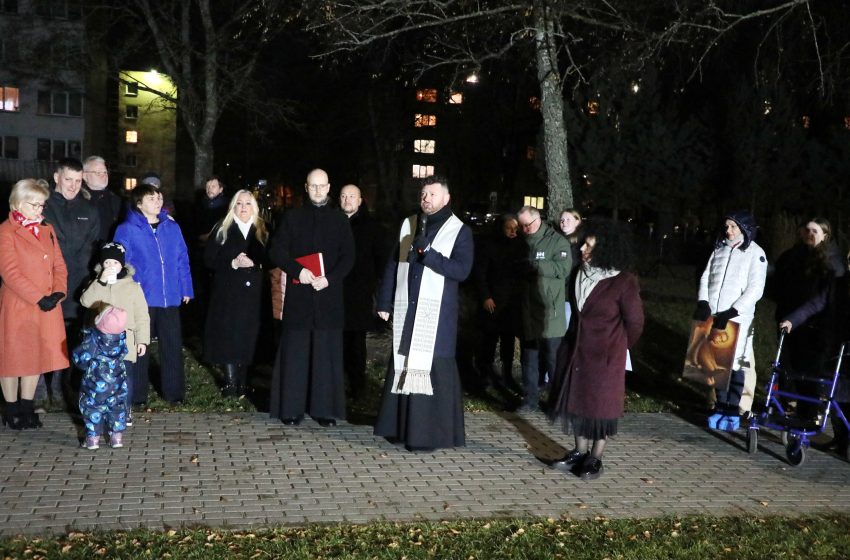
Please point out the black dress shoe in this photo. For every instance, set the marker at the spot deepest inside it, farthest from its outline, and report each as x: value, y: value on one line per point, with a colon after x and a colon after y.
x: 569, y: 461
x: 291, y: 421
x: 326, y: 422
x: 591, y: 469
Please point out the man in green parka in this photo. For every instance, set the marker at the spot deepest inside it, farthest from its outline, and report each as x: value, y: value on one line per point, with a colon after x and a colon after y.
x: 543, y: 316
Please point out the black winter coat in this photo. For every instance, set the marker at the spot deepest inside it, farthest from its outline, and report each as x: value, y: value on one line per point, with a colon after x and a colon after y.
x: 371, y: 252
x: 304, y: 231
x: 233, y: 315
x: 77, y: 226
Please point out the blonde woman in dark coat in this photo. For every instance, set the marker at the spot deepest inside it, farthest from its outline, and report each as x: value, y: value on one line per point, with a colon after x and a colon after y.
x: 235, y: 252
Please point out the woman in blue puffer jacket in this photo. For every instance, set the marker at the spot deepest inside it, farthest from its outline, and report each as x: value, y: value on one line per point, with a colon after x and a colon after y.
x: 157, y: 250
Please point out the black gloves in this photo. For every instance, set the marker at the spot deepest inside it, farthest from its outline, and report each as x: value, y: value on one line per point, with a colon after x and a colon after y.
x: 703, y: 311
x: 49, y: 302
x: 721, y: 318
x: 420, y: 243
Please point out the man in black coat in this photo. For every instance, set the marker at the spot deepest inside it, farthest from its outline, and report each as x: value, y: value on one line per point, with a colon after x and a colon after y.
x: 308, y: 376
x: 77, y: 226
x: 370, y: 257
x: 108, y: 204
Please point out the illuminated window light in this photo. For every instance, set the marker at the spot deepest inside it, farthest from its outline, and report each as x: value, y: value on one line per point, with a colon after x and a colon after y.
x: 424, y: 146
x: 426, y: 95
x: 129, y: 183
x: 472, y: 78
x: 456, y: 98
x: 421, y: 171
x: 131, y: 136
x: 535, y: 201
x: 421, y: 120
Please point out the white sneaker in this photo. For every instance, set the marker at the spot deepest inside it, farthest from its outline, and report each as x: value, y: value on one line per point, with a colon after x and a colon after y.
x: 92, y: 442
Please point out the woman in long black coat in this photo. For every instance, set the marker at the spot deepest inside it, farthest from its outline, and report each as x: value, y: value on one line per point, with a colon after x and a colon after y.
x: 235, y: 252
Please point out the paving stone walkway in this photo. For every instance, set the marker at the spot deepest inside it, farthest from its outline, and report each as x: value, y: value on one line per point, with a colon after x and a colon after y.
x: 245, y: 470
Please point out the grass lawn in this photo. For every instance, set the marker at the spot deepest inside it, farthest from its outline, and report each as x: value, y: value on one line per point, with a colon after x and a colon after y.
x: 690, y: 538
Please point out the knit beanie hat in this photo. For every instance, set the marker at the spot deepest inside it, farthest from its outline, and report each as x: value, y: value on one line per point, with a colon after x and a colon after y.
x: 112, y: 320
x: 112, y: 251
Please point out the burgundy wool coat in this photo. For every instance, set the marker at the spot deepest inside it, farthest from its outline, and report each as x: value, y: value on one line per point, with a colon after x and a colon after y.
x: 31, y: 341
x: 610, y: 322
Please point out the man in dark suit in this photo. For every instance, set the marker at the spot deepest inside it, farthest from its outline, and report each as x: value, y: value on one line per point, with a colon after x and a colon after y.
x: 370, y: 256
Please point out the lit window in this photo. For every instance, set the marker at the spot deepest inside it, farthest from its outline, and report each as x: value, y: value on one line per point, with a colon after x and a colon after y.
x: 426, y: 95
x: 131, y: 136
x: 536, y: 201
x: 529, y: 152
x: 421, y: 171
x: 9, y: 147
x: 534, y: 102
x: 131, y: 89
x: 129, y: 183
x: 131, y: 112
x: 10, y: 98
x: 456, y: 98
x: 806, y: 121
x: 425, y: 120
x: 847, y: 123
x: 593, y: 107
x: 424, y: 146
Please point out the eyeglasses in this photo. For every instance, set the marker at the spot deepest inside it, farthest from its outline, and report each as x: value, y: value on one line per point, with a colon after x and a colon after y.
x: 320, y: 187
x: 36, y: 204
x: 528, y: 225
x: 99, y: 173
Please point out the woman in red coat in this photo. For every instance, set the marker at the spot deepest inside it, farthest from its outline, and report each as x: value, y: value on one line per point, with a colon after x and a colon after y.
x: 608, y: 321
x: 32, y: 332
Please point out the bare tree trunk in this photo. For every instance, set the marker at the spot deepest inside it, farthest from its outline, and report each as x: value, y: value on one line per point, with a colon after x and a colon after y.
x: 560, y: 192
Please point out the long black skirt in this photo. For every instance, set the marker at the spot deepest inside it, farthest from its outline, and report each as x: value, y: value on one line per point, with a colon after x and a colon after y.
x: 425, y: 420
x: 308, y: 375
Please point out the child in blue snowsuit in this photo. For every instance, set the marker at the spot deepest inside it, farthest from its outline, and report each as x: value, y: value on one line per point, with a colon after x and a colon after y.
x: 103, y: 391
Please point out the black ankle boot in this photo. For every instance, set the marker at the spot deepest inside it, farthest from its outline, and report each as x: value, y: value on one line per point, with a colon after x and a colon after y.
x: 29, y: 418
x: 229, y: 388
x: 12, y: 416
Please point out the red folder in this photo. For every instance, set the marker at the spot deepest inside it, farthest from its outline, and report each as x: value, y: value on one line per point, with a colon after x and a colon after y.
x: 314, y: 262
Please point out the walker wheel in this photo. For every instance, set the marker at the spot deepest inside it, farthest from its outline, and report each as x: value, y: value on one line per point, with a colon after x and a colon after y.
x: 796, y: 453
x: 752, y: 441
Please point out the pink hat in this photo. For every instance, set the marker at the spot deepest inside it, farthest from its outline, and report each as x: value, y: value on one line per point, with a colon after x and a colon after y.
x: 112, y: 320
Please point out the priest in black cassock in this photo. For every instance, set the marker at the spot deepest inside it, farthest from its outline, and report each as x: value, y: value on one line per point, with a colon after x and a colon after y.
x: 308, y: 375
x: 423, y: 404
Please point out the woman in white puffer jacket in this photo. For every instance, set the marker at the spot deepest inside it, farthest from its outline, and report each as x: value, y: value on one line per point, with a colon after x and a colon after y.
x: 730, y: 287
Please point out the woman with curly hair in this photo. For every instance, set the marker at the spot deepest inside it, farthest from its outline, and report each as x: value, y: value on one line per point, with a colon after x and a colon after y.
x: 608, y: 320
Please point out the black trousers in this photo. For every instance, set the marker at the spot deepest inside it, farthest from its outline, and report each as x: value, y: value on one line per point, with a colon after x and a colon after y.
x: 166, y: 326
x: 354, y: 358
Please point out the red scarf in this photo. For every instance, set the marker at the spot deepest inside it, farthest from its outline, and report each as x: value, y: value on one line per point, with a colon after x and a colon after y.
x: 31, y: 225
